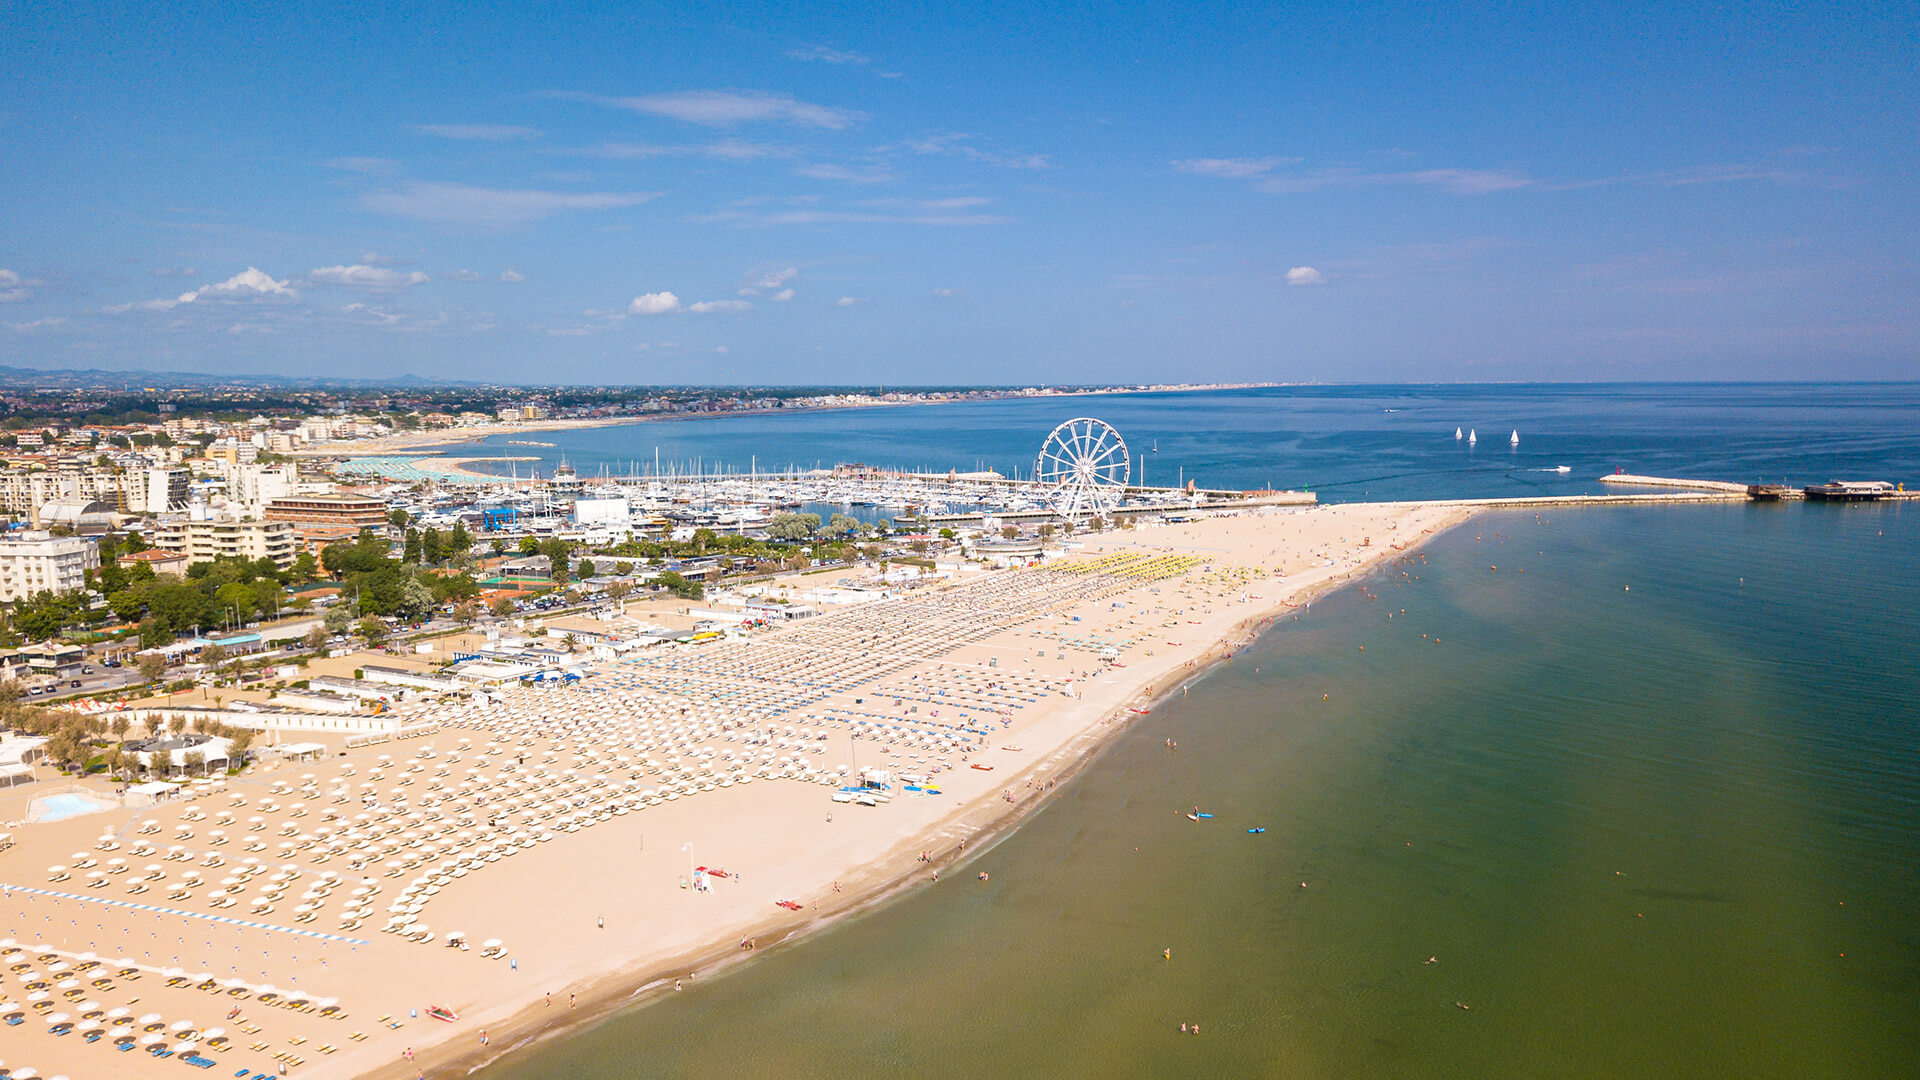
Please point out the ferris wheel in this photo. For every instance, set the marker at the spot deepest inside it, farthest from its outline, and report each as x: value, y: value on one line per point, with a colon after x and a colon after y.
x: 1084, y: 467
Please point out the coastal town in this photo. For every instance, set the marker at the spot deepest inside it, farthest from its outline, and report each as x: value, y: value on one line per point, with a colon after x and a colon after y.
x: 252, y: 687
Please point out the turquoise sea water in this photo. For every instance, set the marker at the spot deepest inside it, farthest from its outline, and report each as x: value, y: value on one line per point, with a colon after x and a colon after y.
x: 1344, y: 442
x: 1646, y: 794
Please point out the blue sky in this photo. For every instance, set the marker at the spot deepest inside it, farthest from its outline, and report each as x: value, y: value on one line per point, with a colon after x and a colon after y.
x: 856, y: 193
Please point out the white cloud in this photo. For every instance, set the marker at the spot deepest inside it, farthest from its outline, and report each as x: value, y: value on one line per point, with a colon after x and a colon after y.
x: 725, y: 150
x: 463, y: 275
x: 956, y: 142
x: 374, y: 258
x: 247, y: 285
x: 13, y: 289
x: 512, y: 276
x: 369, y: 166
x: 829, y: 56
x: 776, y: 278
x: 494, y: 206
x: 175, y: 271
x: 1231, y: 168
x: 946, y: 292
x: 721, y: 349
x: 705, y: 306
x: 783, y: 295
x: 1457, y: 181
x: 863, y: 174
x: 725, y: 108
x: 47, y: 323
x: 362, y: 276
x: 481, y: 132
x: 1305, y: 275
x: 654, y: 303
x: 747, y: 218
x: 849, y: 301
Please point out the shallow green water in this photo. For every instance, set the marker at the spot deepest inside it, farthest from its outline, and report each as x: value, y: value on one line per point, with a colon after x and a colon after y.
x: 1635, y: 809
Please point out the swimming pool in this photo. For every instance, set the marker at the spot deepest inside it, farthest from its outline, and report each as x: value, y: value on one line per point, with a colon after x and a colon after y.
x: 56, y: 807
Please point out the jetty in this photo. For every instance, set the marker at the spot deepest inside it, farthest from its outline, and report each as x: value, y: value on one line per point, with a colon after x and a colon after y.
x: 1832, y: 491
x: 1636, y: 480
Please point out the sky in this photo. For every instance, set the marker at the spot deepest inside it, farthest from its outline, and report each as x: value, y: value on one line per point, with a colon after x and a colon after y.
x: 986, y: 193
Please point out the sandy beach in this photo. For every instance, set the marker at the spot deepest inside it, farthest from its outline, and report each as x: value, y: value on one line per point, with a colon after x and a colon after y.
x: 567, y: 824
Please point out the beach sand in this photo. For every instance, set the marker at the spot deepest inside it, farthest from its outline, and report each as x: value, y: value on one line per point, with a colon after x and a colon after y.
x: 598, y: 916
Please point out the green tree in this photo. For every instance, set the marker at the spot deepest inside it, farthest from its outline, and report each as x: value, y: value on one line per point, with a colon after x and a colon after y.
x: 501, y: 606
x: 842, y: 526
x: 397, y: 518
x: 411, y: 553
x: 315, y: 640
x: 793, y: 526
x: 372, y: 629
x: 236, y: 601
x: 433, y: 547
x: 585, y: 569
x: 529, y: 546
x: 337, y: 619
x: 416, y: 599
x: 679, y: 586
x: 128, y: 604
x: 153, y: 667
x: 459, y: 540
x: 305, y: 567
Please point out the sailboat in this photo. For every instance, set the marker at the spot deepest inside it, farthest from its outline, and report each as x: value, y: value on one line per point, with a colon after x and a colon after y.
x: 1456, y: 434
x: 1514, y: 440
x: 1472, y: 437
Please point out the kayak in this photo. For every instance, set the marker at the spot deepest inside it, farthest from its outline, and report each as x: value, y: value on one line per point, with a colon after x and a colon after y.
x: 440, y: 1012
x: 1258, y: 829
x: 984, y: 768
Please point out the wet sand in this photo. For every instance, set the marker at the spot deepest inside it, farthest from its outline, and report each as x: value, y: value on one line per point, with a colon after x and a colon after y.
x: 600, y: 914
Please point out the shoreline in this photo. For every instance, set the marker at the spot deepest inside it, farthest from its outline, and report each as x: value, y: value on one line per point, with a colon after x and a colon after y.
x: 641, y: 984
x: 413, y: 441
x: 1220, y: 582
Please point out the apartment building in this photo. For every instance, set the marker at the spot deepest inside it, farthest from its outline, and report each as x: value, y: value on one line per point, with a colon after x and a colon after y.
x: 33, y: 562
x: 205, y: 541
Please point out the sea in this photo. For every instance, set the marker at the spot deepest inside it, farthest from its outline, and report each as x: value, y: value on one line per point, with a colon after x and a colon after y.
x: 1599, y: 792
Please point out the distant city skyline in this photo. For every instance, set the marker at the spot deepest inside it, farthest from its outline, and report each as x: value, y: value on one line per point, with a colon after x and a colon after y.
x: 994, y: 195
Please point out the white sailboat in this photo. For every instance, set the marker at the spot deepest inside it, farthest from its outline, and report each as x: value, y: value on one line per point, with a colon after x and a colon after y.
x: 1472, y: 437
x: 1456, y: 434
x: 1515, y: 439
